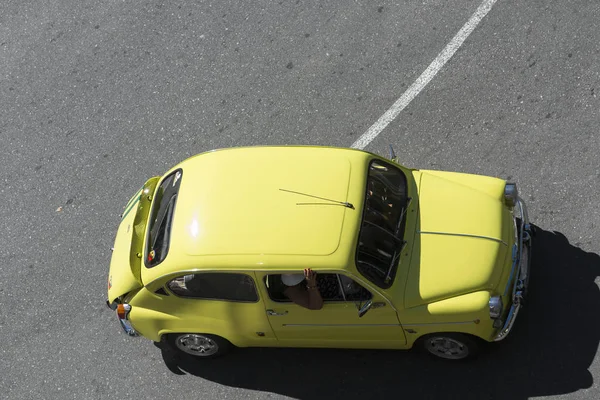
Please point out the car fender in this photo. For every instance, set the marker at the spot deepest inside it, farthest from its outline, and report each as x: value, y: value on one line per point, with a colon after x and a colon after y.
x: 468, y: 313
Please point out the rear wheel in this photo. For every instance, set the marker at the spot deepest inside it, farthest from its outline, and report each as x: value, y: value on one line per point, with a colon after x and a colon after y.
x: 450, y: 346
x: 199, y: 344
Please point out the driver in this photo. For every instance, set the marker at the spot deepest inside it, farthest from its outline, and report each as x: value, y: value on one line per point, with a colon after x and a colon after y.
x: 302, y: 289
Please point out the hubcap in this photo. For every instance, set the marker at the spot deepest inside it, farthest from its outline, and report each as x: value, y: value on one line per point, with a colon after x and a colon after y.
x: 446, y: 347
x: 196, y: 345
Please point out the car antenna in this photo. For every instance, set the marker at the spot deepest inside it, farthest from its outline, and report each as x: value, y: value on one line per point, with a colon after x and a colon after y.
x: 336, y: 202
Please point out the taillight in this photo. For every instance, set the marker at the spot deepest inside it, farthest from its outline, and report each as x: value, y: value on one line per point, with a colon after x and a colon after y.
x: 122, y: 313
x: 122, y: 310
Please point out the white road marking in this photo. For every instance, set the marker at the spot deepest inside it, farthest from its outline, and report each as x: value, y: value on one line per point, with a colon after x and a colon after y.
x: 425, y: 77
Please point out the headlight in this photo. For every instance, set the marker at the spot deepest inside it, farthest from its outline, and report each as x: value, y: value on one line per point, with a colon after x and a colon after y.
x: 495, y: 306
x: 511, y: 194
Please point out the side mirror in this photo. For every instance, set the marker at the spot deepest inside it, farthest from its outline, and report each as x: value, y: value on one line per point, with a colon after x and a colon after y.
x: 393, y: 154
x: 362, y: 310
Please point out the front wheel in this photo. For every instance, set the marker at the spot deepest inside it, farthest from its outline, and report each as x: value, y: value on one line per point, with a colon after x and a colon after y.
x: 450, y: 346
x: 199, y: 344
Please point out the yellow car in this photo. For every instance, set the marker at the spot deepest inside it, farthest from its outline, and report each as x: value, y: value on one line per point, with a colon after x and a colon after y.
x: 205, y: 255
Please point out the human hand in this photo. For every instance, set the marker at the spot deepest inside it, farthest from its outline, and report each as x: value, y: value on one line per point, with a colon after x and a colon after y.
x: 311, y: 277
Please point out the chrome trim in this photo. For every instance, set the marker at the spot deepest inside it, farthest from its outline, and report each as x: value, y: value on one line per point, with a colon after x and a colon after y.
x: 515, y: 250
x: 510, y: 321
x: 125, y: 324
x: 464, y: 235
x: 518, y: 248
x: 521, y: 242
x: 443, y: 323
x: 196, y: 345
x: 321, y: 325
x: 518, y: 279
x: 496, y: 307
x: 378, y: 304
x: 275, y: 313
x: 511, y: 194
x: 524, y: 272
x: 341, y: 286
x: 446, y: 347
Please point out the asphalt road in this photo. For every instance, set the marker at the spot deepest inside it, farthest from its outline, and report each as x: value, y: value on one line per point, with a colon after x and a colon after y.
x: 97, y: 96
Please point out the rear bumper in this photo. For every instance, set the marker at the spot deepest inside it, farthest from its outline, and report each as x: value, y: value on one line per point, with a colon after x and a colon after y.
x: 124, y: 322
x: 519, y: 278
x: 126, y: 325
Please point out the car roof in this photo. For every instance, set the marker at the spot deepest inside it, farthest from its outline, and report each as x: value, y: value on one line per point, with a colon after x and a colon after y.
x: 266, y: 207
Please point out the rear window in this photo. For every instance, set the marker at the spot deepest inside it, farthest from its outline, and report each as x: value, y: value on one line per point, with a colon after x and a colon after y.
x: 161, y: 218
x: 380, y: 241
x: 215, y: 286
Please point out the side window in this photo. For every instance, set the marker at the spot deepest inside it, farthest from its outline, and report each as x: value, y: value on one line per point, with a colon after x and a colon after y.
x: 353, y: 291
x: 215, y: 286
x: 333, y: 288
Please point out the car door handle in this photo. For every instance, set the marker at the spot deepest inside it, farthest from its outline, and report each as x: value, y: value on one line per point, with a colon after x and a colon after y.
x: 378, y: 304
x: 272, y: 312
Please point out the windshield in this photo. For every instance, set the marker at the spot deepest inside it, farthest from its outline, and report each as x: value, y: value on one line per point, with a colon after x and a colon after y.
x: 161, y: 218
x: 380, y: 240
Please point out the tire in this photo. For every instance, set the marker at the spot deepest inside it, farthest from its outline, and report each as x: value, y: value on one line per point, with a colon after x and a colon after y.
x: 450, y: 346
x: 199, y: 345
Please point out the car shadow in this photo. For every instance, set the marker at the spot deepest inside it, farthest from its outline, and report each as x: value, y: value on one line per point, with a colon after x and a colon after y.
x: 553, y: 344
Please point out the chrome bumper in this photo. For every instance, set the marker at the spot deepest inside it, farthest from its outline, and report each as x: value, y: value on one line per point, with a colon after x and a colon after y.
x: 124, y: 322
x: 126, y: 325
x: 519, y: 275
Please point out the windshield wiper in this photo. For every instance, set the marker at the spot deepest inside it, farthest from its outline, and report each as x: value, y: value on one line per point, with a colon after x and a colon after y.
x: 334, y: 202
x: 386, y: 231
x: 396, y: 257
x: 166, y: 214
x: 404, y: 242
x: 403, y: 214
